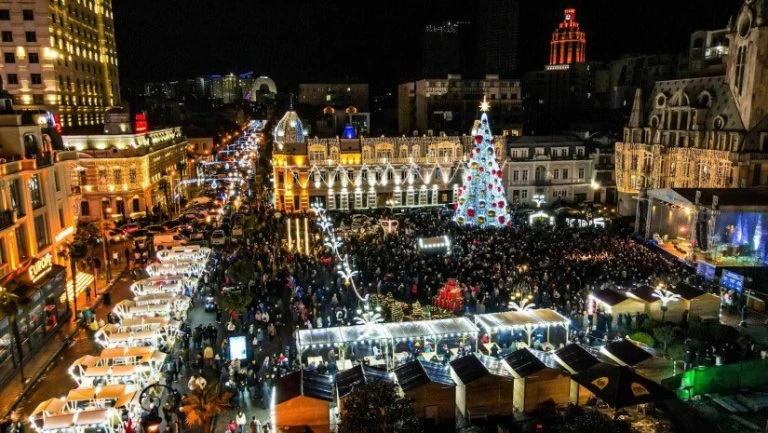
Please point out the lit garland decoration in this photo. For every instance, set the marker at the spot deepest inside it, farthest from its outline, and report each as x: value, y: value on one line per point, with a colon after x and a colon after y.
x: 523, y: 305
x: 334, y: 243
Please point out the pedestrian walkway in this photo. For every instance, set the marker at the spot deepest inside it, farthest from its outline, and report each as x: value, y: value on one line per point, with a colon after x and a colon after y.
x: 68, y: 336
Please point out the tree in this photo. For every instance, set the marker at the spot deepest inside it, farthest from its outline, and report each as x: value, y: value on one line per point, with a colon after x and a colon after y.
x: 242, y: 271
x: 200, y: 406
x: 482, y: 202
x: 642, y: 337
x: 667, y: 334
x: 9, y: 307
x: 235, y: 301
x: 376, y: 407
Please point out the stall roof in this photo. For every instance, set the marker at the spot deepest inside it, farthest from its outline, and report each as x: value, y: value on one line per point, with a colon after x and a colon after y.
x: 89, y: 417
x: 304, y: 383
x: 619, y: 386
x: 52, y: 405
x: 405, y: 330
x: 755, y: 199
x: 347, y: 380
x: 627, y: 352
x: 59, y: 421
x: 417, y: 373
x: 525, y: 362
x: 474, y: 366
x: 520, y: 319
x: 688, y: 292
x: 609, y: 297
x: 575, y: 358
x: 644, y: 293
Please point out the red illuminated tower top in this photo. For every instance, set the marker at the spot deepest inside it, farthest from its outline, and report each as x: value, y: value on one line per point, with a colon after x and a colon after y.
x: 569, y: 44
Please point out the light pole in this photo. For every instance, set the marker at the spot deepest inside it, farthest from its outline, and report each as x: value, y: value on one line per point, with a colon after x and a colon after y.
x: 151, y: 423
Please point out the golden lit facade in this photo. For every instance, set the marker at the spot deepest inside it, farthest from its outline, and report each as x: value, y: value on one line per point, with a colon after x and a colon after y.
x: 569, y: 42
x: 126, y: 175
x: 60, y: 56
x: 36, y: 196
x: 702, y: 132
x: 371, y: 173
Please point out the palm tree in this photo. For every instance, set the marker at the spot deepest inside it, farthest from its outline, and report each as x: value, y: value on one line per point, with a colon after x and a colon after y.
x: 77, y: 251
x: 9, y: 307
x: 200, y: 406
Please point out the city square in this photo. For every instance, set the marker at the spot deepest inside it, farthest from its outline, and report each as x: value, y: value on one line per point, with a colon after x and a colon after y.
x: 479, y: 223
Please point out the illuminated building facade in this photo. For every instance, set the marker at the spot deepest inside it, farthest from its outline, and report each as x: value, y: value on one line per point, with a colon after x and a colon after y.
x: 60, y: 56
x: 569, y: 43
x: 702, y: 132
x: 366, y: 173
x: 129, y: 173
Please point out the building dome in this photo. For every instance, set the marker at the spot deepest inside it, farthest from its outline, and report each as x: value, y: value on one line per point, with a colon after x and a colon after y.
x: 265, y: 84
x: 289, y: 129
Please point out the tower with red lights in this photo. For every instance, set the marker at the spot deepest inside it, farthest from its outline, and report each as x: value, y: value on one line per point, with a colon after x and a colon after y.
x: 569, y: 43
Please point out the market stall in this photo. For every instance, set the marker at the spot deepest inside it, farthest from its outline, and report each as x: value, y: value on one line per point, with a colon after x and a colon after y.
x: 538, y: 379
x: 145, y: 365
x: 128, y: 309
x: 161, y: 284
x: 502, y: 328
x: 483, y: 386
x: 156, y: 332
x: 432, y: 392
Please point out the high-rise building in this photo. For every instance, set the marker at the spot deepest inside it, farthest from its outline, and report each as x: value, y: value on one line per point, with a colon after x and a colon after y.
x: 60, y: 57
x: 497, y: 36
x: 442, y: 53
x: 569, y: 43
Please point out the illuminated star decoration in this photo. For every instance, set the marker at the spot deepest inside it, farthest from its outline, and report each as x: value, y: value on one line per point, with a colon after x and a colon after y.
x: 524, y: 305
x: 485, y: 106
x: 368, y: 317
x: 334, y: 243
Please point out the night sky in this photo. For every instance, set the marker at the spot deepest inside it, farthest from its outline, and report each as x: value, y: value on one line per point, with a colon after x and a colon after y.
x: 375, y: 41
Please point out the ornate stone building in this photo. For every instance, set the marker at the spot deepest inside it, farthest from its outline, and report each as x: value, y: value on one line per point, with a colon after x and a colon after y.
x: 366, y: 172
x: 703, y: 132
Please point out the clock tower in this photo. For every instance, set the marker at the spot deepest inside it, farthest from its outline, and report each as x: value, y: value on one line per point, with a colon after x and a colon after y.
x: 569, y: 43
x: 747, y: 67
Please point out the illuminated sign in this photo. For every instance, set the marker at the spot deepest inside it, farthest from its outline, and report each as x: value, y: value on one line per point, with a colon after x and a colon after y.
x: 38, y: 269
x: 140, y: 123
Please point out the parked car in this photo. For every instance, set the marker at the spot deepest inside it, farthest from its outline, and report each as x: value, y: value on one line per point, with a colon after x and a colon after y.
x: 168, y: 240
x: 114, y: 236
x: 155, y: 228
x: 171, y: 224
x: 218, y: 237
x: 237, y: 231
x: 127, y: 229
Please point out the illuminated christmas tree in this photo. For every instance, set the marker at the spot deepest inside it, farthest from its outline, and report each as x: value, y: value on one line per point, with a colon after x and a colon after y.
x: 481, y: 198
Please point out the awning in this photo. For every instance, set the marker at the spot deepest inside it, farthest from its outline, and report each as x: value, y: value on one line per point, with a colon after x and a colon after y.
x: 620, y: 386
x: 52, y: 406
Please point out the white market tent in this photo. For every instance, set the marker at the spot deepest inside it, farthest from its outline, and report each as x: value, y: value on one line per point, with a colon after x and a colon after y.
x: 527, y: 321
x: 140, y: 365
x: 139, y: 331
x: 161, y: 284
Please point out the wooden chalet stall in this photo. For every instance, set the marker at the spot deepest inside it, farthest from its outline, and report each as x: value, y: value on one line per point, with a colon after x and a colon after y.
x: 302, y: 400
x: 675, y: 310
x: 575, y: 358
x: 697, y: 302
x: 348, y: 380
x: 613, y: 304
x: 432, y: 390
x: 627, y: 353
x: 484, y: 387
x: 539, y: 379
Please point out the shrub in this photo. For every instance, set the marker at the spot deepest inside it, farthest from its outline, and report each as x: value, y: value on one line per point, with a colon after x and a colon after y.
x: 643, y: 337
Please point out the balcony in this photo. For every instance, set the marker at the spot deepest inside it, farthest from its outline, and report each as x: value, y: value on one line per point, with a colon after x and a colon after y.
x: 542, y: 182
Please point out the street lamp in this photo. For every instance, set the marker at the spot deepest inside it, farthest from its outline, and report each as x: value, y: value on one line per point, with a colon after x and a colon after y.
x: 666, y: 297
x: 151, y: 422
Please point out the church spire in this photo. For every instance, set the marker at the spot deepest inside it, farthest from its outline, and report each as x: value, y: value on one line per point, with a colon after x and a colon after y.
x: 636, y: 118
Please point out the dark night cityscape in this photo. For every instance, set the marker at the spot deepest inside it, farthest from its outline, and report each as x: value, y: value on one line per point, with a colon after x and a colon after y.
x: 501, y: 216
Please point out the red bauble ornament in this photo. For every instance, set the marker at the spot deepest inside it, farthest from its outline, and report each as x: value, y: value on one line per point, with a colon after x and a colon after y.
x: 501, y: 203
x: 482, y: 169
x: 490, y: 186
x: 477, y: 150
x: 478, y: 139
x: 498, y: 173
x: 469, y: 178
x: 502, y: 219
x: 471, y: 212
x: 498, y: 189
x: 493, y: 204
x: 455, y: 206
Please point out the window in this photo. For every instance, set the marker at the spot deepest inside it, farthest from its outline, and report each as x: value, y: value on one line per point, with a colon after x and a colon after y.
x: 579, y: 151
x: 5, y: 15
x: 30, y: 36
x: 565, y: 174
x: 21, y: 242
x: 132, y: 175
x: 61, y: 218
x: 85, y: 209
x: 525, y: 175
x: 36, y: 192
x: 36, y: 79
x: 16, y: 197
x: 28, y: 14
x: 56, y: 180
x: 7, y: 36
x: 13, y: 79
x: 524, y: 193
x: 556, y: 173
x: 581, y: 172
x: 515, y: 175
x: 41, y: 231
x: 34, y: 58
x: 117, y: 175
x: 741, y: 60
x: 9, y: 57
